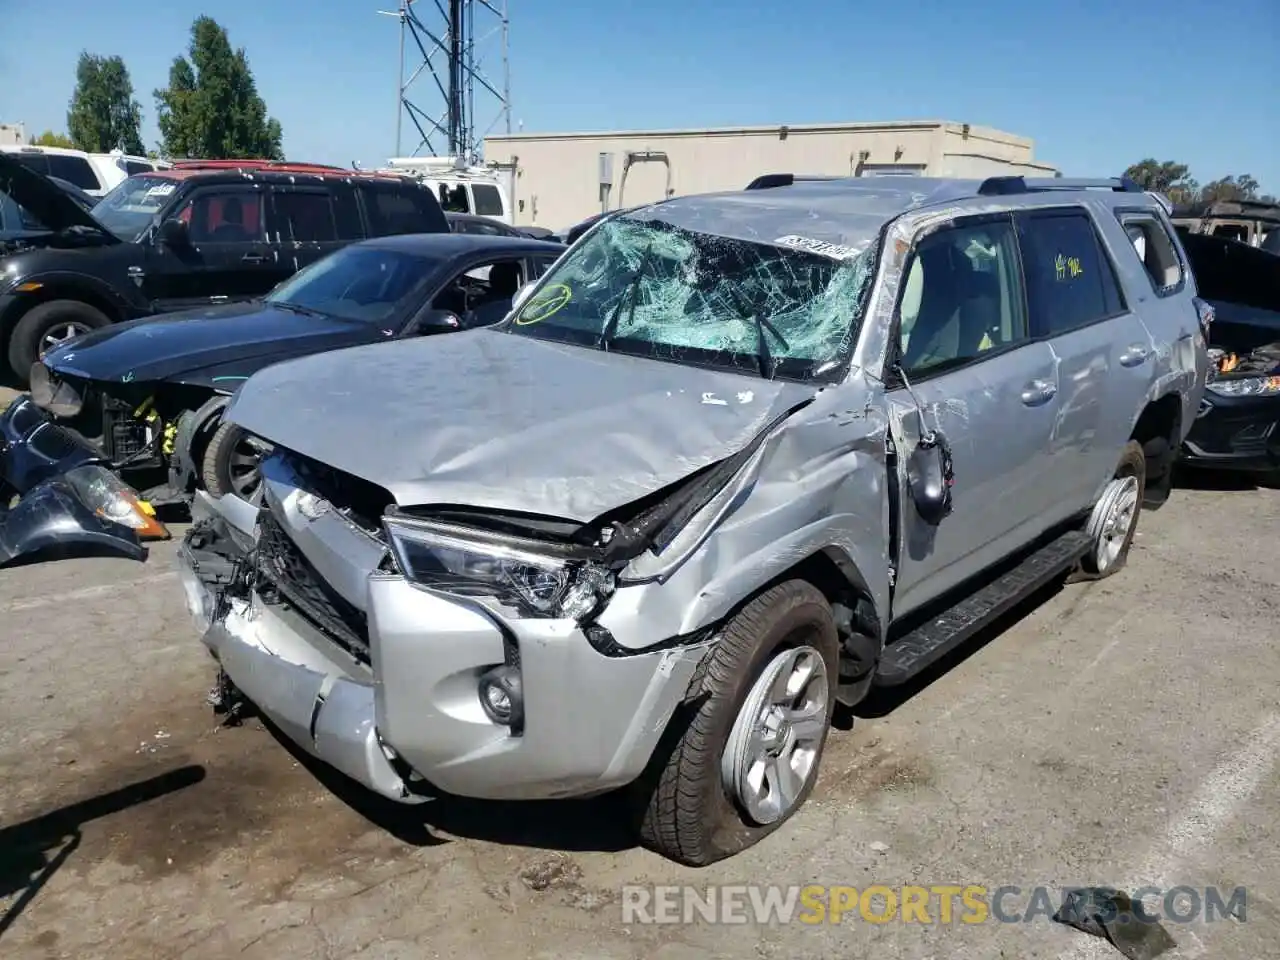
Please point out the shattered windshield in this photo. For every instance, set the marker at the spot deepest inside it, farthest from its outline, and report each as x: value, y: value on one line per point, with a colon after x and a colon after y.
x: 656, y: 290
x: 129, y: 208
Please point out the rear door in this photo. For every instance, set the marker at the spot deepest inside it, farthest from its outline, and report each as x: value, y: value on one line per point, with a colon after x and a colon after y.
x: 1105, y: 354
x: 229, y: 257
x: 306, y: 221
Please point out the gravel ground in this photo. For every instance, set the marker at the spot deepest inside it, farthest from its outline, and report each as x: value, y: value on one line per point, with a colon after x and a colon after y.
x: 1120, y: 733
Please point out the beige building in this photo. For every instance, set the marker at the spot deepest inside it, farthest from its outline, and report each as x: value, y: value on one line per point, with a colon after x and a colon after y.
x: 562, y: 178
x: 12, y: 134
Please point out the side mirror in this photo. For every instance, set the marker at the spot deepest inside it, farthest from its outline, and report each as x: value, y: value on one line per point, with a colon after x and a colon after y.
x: 173, y: 233
x: 434, y: 321
x: 930, y: 477
x: 521, y: 296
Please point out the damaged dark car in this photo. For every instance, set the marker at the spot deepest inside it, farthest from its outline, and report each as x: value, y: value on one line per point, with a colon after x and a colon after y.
x: 143, y: 399
x: 1237, y: 427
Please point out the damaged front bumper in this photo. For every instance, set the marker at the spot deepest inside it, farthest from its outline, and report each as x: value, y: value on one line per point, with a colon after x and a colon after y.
x: 67, y: 498
x: 406, y: 719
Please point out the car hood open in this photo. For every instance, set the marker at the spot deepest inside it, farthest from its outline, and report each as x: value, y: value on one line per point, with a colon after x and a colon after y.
x: 44, y: 199
x: 504, y: 422
x: 167, y: 346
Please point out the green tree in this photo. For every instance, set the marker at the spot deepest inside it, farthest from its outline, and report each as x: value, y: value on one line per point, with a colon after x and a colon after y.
x: 103, y: 115
x: 51, y: 139
x: 1243, y: 187
x: 211, y: 108
x: 1165, y: 176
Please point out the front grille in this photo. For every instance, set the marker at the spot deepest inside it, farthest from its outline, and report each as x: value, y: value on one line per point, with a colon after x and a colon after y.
x: 25, y: 416
x: 300, y: 587
x: 53, y: 442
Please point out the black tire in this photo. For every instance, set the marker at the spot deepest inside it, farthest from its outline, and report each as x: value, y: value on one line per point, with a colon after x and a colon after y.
x: 688, y: 816
x: 219, y: 469
x: 1133, y: 463
x: 39, y: 322
x: 1159, y: 482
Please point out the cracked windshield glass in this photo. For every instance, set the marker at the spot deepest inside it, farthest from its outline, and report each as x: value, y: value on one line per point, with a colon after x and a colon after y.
x: 652, y: 289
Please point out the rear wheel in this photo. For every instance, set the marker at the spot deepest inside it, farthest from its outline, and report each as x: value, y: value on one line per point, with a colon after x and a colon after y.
x: 231, y: 463
x: 747, y: 758
x: 46, y: 326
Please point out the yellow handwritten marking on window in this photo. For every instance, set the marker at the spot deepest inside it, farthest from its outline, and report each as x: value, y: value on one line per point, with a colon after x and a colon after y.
x: 550, y: 301
x: 1067, y: 267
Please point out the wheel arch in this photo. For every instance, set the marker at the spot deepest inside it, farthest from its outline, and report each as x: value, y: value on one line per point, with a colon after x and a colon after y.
x: 84, y: 289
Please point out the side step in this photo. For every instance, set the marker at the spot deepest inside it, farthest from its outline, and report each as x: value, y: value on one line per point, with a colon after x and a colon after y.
x: 935, y: 638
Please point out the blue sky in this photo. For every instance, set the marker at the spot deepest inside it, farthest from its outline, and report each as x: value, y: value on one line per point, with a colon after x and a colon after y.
x: 1096, y: 84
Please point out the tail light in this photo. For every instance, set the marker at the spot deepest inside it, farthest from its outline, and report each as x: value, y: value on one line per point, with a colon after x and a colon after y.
x: 1205, y: 313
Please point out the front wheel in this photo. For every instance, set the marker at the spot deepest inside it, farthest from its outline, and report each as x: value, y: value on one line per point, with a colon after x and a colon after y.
x: 1114, y: 520
x: 747, y: 758
x: 49, y: 325
x: 232, y: 463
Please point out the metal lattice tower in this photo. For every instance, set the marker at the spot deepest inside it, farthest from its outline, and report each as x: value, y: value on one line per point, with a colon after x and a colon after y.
x: 452, y: 47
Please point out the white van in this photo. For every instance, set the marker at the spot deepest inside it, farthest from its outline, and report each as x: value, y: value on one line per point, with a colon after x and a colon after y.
x: 94, y: 173
x: 459, y: 188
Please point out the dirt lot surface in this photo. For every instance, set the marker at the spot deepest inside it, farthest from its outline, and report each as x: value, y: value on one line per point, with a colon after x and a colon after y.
x: 1120, y: 733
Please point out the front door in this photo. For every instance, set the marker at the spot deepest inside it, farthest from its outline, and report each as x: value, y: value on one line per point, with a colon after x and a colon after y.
x: 228, y: 257
x: 969, y: 370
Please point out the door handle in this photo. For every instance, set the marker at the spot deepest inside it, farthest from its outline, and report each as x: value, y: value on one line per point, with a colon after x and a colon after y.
x: 253, y: 258
x: 1135, y: 356
x: 1038, y: 391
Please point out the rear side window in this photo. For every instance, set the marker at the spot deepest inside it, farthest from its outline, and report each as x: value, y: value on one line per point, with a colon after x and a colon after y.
x: 74, y: 170
x: 1070, y: 280
x: 395, y: 210
x: 453, y: 198
x: 1154, y: 246
x: 133, y: 166
x: 306, y: 215
x: 488, y: 199
x: 38, y: 162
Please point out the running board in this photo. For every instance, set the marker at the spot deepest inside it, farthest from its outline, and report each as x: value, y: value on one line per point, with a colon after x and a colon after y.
x: 907, y: 656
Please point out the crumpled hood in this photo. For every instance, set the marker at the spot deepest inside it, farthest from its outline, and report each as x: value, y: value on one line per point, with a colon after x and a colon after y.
x: 170, y: 345
x: 505, y: 422
x: 48, y: 203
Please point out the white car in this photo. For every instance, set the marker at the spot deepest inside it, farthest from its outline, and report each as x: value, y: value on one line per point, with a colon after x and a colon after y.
x: 94, y: 173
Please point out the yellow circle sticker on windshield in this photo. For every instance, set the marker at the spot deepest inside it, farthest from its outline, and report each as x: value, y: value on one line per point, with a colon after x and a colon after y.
x: 550, y: 301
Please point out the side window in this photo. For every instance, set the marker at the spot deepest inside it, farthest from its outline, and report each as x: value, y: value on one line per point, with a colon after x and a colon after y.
x: 394, y: 211
x: 488, y: 199
x: 346, y: 213
x: 73, y: 170
x: 305, y: 215
x: 1070, y: 280
x: 224, y: 216
x: 483, y: 290
x: 962, y: 297
x: 541, y: 265
x: 1232, y: 231
x: 453, y: 198
x: 1155, y: 249
x: 134, y: 166
x: 39, y: 162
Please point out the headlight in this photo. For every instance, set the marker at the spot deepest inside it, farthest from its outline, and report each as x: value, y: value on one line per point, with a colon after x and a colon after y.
x: 1246, y: 386
x: 47, y: 392
x: 111, y: 499
x: 538, y: 584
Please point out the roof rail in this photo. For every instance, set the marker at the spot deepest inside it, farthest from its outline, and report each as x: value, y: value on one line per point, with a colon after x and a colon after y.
x: 770, y: 180
x: 998, y: 186
x: 280, y: 166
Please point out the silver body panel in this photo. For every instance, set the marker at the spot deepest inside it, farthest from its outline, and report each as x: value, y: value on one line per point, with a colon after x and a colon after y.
x: 497, y: 421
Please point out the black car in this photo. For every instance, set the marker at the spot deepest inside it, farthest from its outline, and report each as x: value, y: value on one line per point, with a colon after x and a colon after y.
x: 201, y: 233
x: 146, y: 395
x: 489, y: 227
x: 1238, y: 425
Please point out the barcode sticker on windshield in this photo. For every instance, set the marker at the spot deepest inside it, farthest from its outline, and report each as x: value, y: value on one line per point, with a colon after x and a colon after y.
x: 836, y: 251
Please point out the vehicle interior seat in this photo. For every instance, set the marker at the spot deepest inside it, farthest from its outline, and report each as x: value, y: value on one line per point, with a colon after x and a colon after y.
x: 231, y: 229
x: 504, y: 281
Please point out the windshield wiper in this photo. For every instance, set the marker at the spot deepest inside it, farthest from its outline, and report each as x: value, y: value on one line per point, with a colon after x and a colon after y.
x: 768, y: 365
x: 628, y: 297
x: 296, y: 308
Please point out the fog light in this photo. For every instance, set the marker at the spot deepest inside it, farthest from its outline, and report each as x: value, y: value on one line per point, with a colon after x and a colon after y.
x: 500, y: 696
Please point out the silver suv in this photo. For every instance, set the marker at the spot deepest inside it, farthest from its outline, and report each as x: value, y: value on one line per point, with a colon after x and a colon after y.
x: 733, y: 460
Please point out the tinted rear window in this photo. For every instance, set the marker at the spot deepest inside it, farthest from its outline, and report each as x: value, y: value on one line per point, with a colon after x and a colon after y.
x: 395, y: 210
x: 38, y: 162
x: 133, y: 166
x: 488, y: 199
x: 73, y: 170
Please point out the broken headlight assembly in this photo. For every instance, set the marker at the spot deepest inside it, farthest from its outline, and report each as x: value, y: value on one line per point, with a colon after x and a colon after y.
x: 112, y: 499
x: 538, y: 580
x: 1245, y: 386
x: 49, y: 393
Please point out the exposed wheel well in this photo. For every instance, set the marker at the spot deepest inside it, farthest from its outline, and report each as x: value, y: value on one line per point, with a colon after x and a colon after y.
x: 1157, y: 429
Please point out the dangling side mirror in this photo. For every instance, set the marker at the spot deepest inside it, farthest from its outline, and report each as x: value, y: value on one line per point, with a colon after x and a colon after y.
x: 930, y: 477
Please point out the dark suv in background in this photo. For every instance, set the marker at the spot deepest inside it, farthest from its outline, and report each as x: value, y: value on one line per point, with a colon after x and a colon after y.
x: 201, y: 233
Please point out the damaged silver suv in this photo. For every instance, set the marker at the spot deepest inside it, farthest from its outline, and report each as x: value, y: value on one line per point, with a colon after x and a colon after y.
x: 732, y: 461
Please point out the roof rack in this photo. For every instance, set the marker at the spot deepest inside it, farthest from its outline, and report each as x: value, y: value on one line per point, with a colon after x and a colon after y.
x: 278, y: 166
x: 770, y: 180
x: 999, y: 186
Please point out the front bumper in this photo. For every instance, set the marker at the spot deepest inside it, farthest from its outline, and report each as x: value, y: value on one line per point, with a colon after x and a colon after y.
x: 1235, y: 433
x: 35, y: 453
x: 409, y: 722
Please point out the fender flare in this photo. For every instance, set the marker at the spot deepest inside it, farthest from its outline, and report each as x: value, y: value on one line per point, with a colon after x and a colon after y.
x: 66, y: 285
